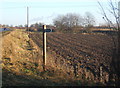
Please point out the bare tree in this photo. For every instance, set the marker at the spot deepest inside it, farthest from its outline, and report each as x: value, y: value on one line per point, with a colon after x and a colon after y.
x: 59, y: 22
x: 73, y: 20
x: 89, y: 19
x: 115, y: 24
x: 68, y: 21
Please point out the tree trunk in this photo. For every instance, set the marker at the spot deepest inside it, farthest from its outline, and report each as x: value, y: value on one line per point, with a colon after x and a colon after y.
x: 115, y: 63
x: 118, y: 58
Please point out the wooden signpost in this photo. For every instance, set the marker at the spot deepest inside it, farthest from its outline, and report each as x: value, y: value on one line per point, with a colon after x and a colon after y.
x: 44, y: 47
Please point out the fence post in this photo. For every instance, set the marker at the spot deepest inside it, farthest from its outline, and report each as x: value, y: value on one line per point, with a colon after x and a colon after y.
x: 44, y: 47
x: 101, y: 74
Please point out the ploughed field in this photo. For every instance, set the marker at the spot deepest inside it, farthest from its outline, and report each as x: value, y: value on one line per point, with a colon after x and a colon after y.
x: 87, y: 50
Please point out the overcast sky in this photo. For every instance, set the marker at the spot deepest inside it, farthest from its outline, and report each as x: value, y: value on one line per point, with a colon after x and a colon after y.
x: 13, y: 12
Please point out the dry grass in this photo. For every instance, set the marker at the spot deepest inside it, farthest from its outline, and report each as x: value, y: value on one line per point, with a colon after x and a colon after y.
x: 101, y: 29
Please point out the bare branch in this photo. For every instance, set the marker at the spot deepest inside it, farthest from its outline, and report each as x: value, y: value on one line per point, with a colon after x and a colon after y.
x: 113, y: 12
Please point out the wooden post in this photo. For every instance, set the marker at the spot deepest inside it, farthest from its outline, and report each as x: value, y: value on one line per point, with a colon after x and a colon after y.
x: 101, y: 75
x: 44, y: 47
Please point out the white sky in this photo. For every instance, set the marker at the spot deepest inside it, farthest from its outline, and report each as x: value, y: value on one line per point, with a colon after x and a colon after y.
x: 55, y: 0
x: 14, y: 11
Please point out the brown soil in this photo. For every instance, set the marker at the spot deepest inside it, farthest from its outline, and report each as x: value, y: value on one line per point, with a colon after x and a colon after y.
x: 79, y: 55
